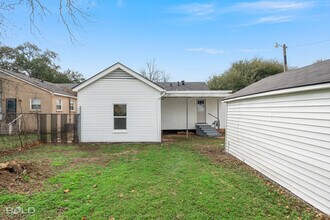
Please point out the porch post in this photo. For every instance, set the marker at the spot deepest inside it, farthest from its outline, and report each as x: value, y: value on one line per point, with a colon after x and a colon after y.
x: 187, y: 118
x: 218, y: 122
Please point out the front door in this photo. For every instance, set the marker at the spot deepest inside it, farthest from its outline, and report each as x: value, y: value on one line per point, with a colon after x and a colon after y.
x: 11, y: 108
x: 201, y: 111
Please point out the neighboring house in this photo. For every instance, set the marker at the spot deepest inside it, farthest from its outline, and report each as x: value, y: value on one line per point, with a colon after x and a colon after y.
x: 280, y: 126
x: 21, y: 94
x: 119, y: 105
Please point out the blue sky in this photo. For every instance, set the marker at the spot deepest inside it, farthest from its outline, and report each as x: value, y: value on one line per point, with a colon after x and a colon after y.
x: 191, y: 40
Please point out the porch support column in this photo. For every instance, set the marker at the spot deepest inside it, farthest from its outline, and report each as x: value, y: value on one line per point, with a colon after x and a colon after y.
x: 186, y: 118
x: 218, y: 114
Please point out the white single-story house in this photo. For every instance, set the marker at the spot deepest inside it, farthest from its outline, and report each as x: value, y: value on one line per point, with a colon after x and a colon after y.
x: 119, y: 105
x: 280, y: 126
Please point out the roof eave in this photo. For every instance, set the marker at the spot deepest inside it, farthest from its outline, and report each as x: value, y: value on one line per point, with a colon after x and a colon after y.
x: 281, y: 91
x: 196, y: 94
x: 109, y: 70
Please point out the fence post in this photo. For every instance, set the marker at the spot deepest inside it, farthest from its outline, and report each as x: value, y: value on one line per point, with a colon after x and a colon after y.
x: 10, y: 129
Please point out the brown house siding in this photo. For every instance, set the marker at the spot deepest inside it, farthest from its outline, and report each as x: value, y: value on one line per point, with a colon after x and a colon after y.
x: 23, y: 92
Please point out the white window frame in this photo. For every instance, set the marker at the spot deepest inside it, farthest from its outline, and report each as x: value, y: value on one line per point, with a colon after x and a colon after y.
x: 59, y: 102
x: 114, y: 117
x: 31, y: 104
x: 72, y: 105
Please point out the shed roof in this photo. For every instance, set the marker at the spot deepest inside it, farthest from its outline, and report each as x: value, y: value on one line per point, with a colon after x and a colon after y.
x: 51, y: 87
x: 183, y: 86
x: 314, y: 74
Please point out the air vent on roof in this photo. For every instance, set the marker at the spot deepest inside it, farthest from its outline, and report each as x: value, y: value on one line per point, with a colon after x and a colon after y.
x: 178, y: 83
x: 182, y: 82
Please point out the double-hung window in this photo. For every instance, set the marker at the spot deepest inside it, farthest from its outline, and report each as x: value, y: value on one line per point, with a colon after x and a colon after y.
x: 120, y: 116
x: 71, y: 105
x: 35, y: 104
x: 58, y: 105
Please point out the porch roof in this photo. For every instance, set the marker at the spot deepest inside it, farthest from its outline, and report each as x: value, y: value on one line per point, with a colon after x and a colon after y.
x: 198, y: 94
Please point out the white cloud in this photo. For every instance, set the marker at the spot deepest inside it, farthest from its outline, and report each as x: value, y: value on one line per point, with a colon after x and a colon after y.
x: 196, y: 9
x: 205, y: 50
x: 274, y: 5
x: 273, y: 19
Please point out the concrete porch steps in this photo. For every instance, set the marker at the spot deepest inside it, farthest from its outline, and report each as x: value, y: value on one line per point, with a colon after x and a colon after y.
x: 206, y: 130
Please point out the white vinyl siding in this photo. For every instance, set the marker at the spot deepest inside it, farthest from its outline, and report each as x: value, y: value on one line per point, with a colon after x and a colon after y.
x: 287, y: 138
x: 97, y: 102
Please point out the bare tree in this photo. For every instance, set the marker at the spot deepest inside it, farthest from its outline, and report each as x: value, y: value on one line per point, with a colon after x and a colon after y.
x: 71, y: 14
x: 154, y: 74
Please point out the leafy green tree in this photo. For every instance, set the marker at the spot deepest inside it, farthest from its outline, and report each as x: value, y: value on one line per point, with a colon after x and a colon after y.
x: 29, y: 59
x: 74, y: 76
x: 243, y: 73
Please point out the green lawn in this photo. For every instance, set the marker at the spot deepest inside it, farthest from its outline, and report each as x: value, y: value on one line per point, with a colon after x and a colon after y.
x: 172, y: 180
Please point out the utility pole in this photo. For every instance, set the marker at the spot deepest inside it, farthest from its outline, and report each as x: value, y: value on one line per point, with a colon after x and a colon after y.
x: 284, y: 55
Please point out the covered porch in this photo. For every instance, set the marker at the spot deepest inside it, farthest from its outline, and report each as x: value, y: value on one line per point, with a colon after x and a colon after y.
x: 194, y: 110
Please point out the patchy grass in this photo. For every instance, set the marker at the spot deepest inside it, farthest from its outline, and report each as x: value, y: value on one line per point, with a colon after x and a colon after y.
x: 9, y: 142
x: 178, y: 179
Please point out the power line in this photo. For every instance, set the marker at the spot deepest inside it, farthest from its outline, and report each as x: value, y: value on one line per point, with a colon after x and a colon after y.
x: 307, y: 44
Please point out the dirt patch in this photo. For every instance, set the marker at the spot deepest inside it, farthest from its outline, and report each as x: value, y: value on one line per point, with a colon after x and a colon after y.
x: 24, y: 177
x: 219, y: 155
x: 88, y: 147
x: 102, y: 160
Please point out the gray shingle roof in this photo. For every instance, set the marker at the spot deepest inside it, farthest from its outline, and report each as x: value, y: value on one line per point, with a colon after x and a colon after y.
x: 314, y: 74
x: 187, y: 86
x: 55, y: 88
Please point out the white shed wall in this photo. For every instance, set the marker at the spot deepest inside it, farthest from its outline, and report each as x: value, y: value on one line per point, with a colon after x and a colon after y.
x: 223, y: 114
x: 174, y: 112
x: 143, y: 111
x: 287, y: 138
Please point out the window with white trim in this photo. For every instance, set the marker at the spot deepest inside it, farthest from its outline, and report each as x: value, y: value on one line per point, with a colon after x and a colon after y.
x: 71, y: 105
x: 119, y: 116
x: 35, y: 104
x: 58, y: 105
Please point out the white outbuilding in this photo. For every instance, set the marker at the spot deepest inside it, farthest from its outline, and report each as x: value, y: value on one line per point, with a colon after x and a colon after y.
x: 280, y: 126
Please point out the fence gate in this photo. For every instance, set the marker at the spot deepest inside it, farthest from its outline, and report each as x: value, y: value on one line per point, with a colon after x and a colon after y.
x: 58, y: 128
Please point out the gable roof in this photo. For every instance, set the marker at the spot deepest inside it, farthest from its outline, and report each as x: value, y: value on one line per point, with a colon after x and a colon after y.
x: 186, y: 86
x: 44, y: 85
x: 314, y: 74
x: 111, y: 69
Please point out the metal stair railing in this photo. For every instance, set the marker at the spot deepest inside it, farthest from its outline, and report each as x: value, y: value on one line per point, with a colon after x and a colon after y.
x: 217, y: 122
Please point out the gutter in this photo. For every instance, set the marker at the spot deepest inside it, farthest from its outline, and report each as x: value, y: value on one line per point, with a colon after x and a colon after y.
x: 281, y: 91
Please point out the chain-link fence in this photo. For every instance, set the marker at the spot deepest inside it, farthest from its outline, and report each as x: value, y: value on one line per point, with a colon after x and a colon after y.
x: 19, y: 130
